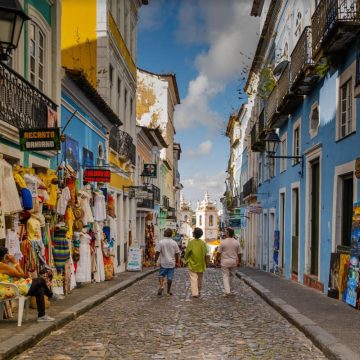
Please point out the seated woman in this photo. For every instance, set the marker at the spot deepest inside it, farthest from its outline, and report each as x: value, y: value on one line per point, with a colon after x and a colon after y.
x: 12, y: 273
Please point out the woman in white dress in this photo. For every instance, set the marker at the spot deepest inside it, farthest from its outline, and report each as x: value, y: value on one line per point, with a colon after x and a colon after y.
x: 83, y: 271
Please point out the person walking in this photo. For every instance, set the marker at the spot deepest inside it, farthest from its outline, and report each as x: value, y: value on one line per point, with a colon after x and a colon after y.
x: 195, y: 257
x: 169, y: 253
x: 229, y: 251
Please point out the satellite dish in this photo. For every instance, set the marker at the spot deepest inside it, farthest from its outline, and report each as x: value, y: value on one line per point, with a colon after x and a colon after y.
x: 279, y: 68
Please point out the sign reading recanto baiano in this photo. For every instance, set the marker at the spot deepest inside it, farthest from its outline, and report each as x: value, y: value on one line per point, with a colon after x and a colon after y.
x: 39, y: 139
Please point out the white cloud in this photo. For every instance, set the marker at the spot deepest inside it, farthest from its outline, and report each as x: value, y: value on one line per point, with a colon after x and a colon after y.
x: 230, y: 31
x: 203, y: 149
x: 151, y: 16
x: 196, y: 186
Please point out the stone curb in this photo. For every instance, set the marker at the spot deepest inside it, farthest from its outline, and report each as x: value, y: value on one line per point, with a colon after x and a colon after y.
x: 33, y: 334
x: 326, y: 342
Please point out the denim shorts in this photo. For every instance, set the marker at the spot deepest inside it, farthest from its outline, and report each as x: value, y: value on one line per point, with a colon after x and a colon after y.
x: 167, y: 272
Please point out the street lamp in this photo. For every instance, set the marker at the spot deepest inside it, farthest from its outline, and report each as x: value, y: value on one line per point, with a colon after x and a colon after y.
x: 272, y: 142
x: 12, y: 17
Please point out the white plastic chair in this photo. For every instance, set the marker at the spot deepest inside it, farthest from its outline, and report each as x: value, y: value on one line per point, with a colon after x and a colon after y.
x: 23, y: 303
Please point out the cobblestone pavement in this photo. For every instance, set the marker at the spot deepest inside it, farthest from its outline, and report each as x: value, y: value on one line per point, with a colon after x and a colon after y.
x: 137, y: 324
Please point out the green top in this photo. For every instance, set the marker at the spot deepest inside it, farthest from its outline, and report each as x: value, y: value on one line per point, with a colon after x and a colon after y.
x: 195, y: 255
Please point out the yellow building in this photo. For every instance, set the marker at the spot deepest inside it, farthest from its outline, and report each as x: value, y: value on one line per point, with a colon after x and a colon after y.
x: 99, y: 39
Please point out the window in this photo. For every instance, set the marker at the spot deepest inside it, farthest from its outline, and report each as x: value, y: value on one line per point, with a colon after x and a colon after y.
x: 131, y: 106
x: 185, y: 218
x: 37, y: 56
x: 285, y: 54
x: 111, y: 74
x: 260, y: 172
x: 200, y: 220
x: 345, y: 123
x: 298, y: 24
x: 211, y: 220
x: 283, y: 152
x: 119, y: 95
x: 296, y: 143
x: 125, y: 103
x: 314, y: 120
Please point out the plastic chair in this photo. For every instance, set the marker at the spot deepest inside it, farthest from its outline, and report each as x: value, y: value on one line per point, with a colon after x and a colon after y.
x: 23, y: 303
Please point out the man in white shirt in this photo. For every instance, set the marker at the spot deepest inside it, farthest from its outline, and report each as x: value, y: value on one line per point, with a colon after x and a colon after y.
x: 230, y: 252
x: 169, y: 253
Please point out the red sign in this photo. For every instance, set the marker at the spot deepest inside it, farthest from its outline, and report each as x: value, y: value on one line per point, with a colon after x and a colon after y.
x: 97, y: 175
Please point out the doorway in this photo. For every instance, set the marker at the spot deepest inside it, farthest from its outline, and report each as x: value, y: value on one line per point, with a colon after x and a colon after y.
x: 265, y: 242
x: 295, y: 231
x: 314, y: 216
x: 282, y: 231
x: 346, y: 208
x: 271, y: 240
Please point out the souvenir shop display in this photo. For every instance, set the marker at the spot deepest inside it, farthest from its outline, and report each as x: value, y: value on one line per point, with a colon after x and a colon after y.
x: 352, y: 291
x: 55, y: 230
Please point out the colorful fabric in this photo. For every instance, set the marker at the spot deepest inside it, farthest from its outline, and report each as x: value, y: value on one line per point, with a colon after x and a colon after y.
x: 7, y: 292
x: 22, y: 284
x: 27, y: 201
x: 61, y: 249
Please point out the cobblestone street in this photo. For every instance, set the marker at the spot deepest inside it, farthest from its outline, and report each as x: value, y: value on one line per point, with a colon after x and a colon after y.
x: 137, y: 324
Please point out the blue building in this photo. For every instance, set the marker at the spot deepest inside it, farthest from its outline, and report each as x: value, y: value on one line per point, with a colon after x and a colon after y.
x: 87, y: 122
x: 300, y: 198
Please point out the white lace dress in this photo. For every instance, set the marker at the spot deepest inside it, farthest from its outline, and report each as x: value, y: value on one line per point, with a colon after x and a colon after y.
x: 99, y: 207
x: 83, y: 271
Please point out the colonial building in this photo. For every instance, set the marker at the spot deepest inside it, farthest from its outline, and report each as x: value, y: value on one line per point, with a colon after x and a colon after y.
x: 157, y: 96
x: 102, y: 45
x: 30, y: 84
x: 302, y: 138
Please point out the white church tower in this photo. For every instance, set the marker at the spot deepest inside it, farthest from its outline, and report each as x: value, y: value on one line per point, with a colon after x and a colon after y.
x: 207, y: 218
x: 185, y: 215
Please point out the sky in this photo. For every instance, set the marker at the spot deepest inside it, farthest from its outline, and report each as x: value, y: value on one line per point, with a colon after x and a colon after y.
x: 209, y: 45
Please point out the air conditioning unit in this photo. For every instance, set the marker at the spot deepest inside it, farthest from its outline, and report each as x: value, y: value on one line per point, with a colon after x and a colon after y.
x: 99, y: 162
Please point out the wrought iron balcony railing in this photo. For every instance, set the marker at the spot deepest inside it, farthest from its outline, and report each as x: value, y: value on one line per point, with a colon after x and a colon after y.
x: 249, y: 187
x: 262, y: 124
x: 146, y: 203
x: 121, y: 142
x: 330, y: 14
x: 283, y: 85
x: 21, y: 104
x: 271, y: 106
x: 156, y: 192
x: 301, y: 57
x: 165, y: 202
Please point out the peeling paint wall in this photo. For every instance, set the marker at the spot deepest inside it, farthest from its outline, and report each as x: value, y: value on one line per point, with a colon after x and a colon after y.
x: 151, y: 101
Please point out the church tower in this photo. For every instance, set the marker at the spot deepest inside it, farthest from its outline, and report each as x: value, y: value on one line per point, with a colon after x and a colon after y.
x: 207, y: 218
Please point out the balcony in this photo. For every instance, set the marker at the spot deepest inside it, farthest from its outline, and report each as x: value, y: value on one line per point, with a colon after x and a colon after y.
x: 165, y: 202
x: 257, y: 144
x: 21, y: 104
x: 282, y: 101
x: 146, y: 204
x: 122, y: 143
x: 302, y: 65
x: 335, y: 23
x: 249, y: 188
x: 156, y: 192
x: 171, y: 213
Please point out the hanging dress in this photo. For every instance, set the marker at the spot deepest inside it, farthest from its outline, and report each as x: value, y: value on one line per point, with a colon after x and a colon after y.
x: 99, y: 207
x: 84, y: 200
x: 99, y: 275
x: 83, y: 270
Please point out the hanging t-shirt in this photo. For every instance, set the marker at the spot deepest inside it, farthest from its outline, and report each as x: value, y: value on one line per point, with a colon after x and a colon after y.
x: 63, y: 201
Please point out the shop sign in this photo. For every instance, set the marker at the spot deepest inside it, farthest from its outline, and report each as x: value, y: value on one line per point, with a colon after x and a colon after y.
x: 357, y: 168
x: 134, y: 259
x: 170, y: 224
x: 39, y: 139
x: 97, y: 175
x: 150, y: 170
x: 255, y: 209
